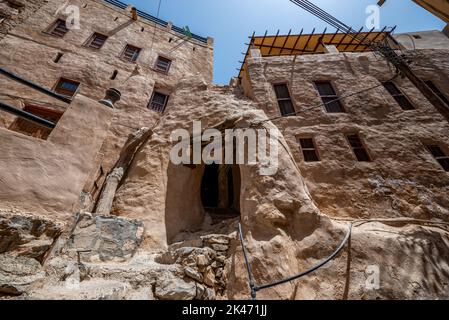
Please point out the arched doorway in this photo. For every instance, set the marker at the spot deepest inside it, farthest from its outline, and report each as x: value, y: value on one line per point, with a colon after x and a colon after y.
x: 220, y: 191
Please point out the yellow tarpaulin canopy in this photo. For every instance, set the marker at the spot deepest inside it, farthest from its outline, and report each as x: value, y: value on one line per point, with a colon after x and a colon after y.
x: 280, y: 45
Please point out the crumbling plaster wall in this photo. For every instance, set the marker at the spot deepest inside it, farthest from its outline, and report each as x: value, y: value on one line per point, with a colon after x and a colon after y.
x: 403, y: 179
x: 47, y: 176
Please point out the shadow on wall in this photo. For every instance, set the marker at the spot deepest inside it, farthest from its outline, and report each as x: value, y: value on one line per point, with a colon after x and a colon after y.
x: 200, y: 195
x: 183, y: 209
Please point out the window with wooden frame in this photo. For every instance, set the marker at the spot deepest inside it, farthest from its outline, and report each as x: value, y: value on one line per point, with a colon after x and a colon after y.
x: 400, y: 97
x: 158, y: 102
x: 58, y: 29
x: 96, y: 41
x: 309, y: 150
x: 329, y: 96
x: 284, y: 100
x: 437, y: 91
x: 130, y: 53
x: 438, y: 153
x: 163, y: 64
x: 358, y: 148
x: 33, y: 129
x: 67, y: 87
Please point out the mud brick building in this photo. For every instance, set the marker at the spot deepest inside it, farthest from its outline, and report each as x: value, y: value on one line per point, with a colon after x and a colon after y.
x: 92, y: 207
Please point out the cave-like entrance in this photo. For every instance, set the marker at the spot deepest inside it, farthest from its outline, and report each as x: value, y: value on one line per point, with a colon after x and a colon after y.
x: 220, y: 191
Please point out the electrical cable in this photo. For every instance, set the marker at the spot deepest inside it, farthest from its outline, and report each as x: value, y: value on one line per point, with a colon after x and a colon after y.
x: 255, y: 288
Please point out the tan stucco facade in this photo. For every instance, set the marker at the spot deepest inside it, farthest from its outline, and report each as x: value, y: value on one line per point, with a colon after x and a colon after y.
x: 155, y: 237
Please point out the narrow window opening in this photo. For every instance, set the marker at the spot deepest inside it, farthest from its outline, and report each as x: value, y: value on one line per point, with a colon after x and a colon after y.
x: 58, y: 57
x: 114, y: 75
x: 163, y: 64
x: 33, y: 129
x: 116, y: 18
x: 284, y: 100
x: 170, y: 40
x: 2, y: 18
x: 437, y: 91
x: 309, y: 150
x: 329, y: 97
x: 158, y: 102
x: 358, y: 148
x: 58, y: 29
x: 67, y: 87
x: 142, y: 29
x: 96, y: 41
x: 130, y: 53
x: 438, y: 153
x: 397, y: 94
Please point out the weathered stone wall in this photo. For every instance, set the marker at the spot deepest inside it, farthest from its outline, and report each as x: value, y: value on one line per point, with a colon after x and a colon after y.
x: 160, y: 242
x: 28, y: 51
x: 47, y: 176
x: 403, y: 179
x: 14, y: 12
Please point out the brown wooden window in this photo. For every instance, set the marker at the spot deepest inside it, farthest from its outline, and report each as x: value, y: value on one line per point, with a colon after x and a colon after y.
x: 284, y: 100
x: 58, y: 29
x: 33, y: 129
x: 358, y: 147
x: 397, y: 94
x: 439, y: 155
x: 96, y: 41
x: 158, y: 102
x: 309, y: 150
x: 130, y: 53
x: 67, y: 87
x: 329, y: 96
x: 437, y: 91
x: 163, y: 64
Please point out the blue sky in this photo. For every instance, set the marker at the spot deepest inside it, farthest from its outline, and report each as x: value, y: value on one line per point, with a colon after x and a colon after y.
x: 231, y: 22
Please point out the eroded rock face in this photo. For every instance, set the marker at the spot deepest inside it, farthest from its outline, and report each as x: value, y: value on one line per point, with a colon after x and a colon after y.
x: 106, y: 238
x: 17, y: 274
x: 27, y: 235
x: 175, y: 289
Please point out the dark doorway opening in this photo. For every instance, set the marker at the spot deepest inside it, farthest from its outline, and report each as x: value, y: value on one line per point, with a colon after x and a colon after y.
x: 220, y: 191
x: 209, y: 186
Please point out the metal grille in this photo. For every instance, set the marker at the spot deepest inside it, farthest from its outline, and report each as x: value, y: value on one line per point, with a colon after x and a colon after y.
x: 97, y: 41
x: 440, y: 156
x: 131, y: 53
x: 329, y: 96
x: 397, y: 94
x: 358, y: 148
x: 158, y: 102
x: 309, y: 150
x: 284, y: 100
x: 163, y: 64
x: 59, y: 29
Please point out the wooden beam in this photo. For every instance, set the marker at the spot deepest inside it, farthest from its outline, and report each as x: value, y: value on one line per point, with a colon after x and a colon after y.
x: 308, y: 40
x: 320, y: 42
x: 274, y: 41
x: 363, y: 40
x: 297, y: 40
x: 285, y: 42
